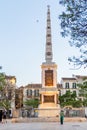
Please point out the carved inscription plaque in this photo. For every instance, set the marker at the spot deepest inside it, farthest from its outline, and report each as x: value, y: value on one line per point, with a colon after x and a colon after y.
x: 49, y: 78
x: 48, y: 98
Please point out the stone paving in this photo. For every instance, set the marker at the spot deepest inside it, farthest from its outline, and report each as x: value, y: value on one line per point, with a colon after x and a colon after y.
x: 44, y: 126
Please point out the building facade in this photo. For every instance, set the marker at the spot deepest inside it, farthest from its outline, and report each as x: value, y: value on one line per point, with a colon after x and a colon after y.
x: 71, y: 83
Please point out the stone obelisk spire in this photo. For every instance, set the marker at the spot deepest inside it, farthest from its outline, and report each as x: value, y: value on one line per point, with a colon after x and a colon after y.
x: 48, y: 53
x: 49, y: 93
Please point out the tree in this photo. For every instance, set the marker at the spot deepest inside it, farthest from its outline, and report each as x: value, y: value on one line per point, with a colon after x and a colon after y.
x: 83, y: 92
x: 2, y: 81
x: 69, y: 99
x: 32, y: 103
x: 6, y: 94
x: 2, y: 84
x: 74, y: 24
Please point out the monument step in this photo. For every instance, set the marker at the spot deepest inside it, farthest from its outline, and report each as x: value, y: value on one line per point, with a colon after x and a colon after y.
x: 48, y: 105
x: 47, y: 119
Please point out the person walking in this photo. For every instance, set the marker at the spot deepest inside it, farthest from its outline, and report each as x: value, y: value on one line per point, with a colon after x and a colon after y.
x: 4, y: 117
x: 86, y: 116
x: 61, y: 117
x: 0, y: 116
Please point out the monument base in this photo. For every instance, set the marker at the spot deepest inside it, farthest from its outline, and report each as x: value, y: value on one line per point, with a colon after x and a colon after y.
x: 48, y: 110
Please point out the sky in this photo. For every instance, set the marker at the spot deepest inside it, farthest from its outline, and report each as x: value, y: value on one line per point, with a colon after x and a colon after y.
x: 23, y: 39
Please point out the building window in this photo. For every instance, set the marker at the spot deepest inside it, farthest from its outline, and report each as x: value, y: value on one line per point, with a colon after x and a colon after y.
x: 29, y: 92
x: 67, y: 85
x: 74, y: 85
x: 36, y: 93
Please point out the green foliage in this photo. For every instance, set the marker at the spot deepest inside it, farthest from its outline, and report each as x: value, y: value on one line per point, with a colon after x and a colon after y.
x: 2, y: 81
x: 74, y: 24
x: 4, y: 102
x: 32, y: 102
x: 83, y: 92
x: 77, y: 103
x: 69, y: 99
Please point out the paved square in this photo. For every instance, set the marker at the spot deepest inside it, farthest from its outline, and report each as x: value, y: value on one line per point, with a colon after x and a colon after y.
x: 44, y: 126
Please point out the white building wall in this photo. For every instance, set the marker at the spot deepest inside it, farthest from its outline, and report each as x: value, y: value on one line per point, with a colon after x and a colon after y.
x: 64, y: 89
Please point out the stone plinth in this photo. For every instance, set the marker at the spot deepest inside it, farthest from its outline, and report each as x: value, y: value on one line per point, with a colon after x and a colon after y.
x: 48, y: 110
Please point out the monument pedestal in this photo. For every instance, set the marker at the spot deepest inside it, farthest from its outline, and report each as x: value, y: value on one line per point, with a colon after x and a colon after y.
x: 49, y: 106
x: 48, y: 110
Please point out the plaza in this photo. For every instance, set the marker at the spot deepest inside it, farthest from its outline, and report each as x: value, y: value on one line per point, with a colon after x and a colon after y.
x: 46, y: 94
x: 44, y: 126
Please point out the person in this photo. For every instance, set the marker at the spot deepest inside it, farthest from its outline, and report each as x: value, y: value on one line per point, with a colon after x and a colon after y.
x: 4, y: 117
x: 86, y: 116
x: 0, y: 116
x: 61, y: 117
x: 10, y: 115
